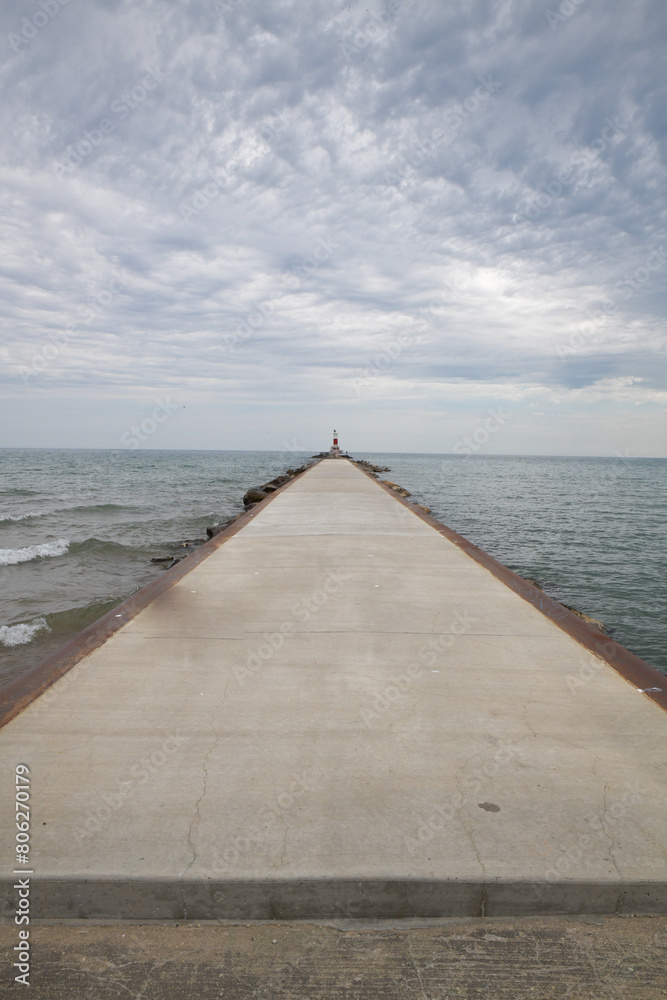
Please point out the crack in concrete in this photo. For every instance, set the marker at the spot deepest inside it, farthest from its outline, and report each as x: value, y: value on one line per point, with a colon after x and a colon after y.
x: 196, y: 818
x: 604, y: 826
x: 282, y: 856
x: 460, y: 819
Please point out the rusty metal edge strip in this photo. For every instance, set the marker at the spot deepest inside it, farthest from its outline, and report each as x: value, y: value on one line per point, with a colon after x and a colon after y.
x: 632, y: 668
x: 27, y: 687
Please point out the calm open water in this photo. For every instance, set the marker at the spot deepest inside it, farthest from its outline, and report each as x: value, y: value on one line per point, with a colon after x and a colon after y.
x: 78, y: 530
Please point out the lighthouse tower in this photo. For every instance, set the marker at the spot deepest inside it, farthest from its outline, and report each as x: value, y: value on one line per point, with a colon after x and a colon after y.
x: 334, y: 451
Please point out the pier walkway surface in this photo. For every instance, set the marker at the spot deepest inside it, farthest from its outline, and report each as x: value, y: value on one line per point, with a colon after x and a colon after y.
x: 338, y: 713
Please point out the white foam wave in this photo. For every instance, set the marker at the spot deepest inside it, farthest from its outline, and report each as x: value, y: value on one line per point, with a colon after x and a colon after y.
x: 19, y: 635
x: 20, y: 517
x: 10, y: 557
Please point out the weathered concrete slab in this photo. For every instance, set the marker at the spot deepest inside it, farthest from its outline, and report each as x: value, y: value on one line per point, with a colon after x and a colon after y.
x: 339, y: 713
x: 507, y: 959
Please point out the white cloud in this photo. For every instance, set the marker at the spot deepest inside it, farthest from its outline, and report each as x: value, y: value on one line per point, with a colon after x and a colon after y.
x: 526, y: 202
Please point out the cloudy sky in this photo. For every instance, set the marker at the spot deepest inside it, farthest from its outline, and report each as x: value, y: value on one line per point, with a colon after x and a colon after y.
x: 240, y: 223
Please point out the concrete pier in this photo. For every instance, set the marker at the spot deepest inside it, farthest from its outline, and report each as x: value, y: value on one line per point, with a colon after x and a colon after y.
x: 334, y: 711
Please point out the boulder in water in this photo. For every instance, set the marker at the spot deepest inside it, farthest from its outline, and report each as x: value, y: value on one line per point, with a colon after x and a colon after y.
x: 253, y: 496
x: 397, y: 489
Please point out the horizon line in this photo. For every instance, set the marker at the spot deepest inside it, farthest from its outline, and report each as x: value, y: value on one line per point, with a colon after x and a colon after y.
x: 304, y: 451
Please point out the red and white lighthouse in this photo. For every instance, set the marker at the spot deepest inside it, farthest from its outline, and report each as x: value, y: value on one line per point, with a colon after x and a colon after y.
x: 334, y: 451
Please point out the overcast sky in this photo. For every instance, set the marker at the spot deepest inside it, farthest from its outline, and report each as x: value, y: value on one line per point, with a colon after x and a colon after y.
x: 241, y: 223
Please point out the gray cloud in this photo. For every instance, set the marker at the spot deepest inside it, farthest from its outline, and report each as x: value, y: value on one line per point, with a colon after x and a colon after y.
x: 511, y: 167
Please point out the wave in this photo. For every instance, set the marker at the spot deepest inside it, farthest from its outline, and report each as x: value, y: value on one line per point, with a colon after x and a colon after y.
x: 15, y: 491
x: 61, y: 625
x: 105, y: 548
x: 89, y: 546
x: 11, y: 557
x: 21, y: 517
x: 19, y: 635
x: 99, y: 507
